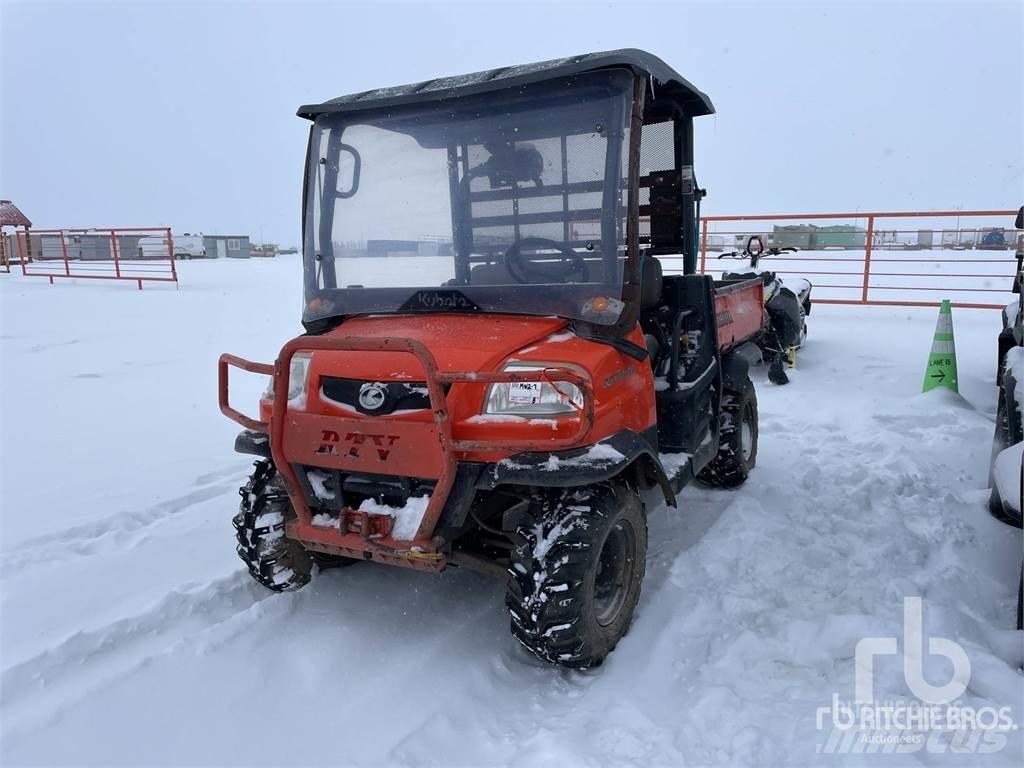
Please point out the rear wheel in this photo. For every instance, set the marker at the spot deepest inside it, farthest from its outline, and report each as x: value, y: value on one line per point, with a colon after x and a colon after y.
x: 577, y: 569
x: 1020, y: 599
x: 275, y: 561
x: 737, y: 441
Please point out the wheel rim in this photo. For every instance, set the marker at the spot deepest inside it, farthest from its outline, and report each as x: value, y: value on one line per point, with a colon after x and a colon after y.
x: 615, y: 567
x: 747, y: 434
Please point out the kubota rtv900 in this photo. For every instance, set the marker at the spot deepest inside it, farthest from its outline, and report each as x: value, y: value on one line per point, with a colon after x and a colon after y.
x: 494, y: 366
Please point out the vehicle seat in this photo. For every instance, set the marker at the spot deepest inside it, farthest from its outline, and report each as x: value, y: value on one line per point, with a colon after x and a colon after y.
x: 650, y: 297
x: 494, y: 273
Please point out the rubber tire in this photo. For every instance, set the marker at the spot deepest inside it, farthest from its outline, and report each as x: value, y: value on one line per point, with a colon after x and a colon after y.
x: 553, y: 567
x: 1004, y: 343
x: 1020, y: 600
x: 1013, y: 429
x: 278, y: 563
x: 730, y: 468
x: 1005, y: 434
x: 999, y: 443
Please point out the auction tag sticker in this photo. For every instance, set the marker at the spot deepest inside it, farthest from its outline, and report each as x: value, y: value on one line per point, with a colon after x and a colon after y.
x: 524, y: 392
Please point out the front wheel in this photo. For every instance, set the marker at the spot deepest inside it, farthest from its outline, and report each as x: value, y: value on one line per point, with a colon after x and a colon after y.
x: 737, y: 439
x: 275, y: 561
x: 576, y: 572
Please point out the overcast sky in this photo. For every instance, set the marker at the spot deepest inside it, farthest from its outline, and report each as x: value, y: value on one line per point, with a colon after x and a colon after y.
x: 183, y: 114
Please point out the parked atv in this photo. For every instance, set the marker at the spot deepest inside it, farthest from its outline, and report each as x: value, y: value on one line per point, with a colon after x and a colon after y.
x: 1007, y: 471
x: 786, y: 307
x: 494, y: 367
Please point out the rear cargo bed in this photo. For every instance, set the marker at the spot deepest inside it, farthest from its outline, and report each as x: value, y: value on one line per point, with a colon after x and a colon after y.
x: 739, y: 311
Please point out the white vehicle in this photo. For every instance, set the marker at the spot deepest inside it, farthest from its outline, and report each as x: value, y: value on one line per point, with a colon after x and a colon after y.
x: 189, y: 247
x: 185, y: 247
x: 153, y: 247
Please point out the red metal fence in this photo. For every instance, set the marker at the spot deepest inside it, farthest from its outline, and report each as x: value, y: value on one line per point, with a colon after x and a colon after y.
x: 877, y: 257
x: 851, y: 258
x: 138, y: 254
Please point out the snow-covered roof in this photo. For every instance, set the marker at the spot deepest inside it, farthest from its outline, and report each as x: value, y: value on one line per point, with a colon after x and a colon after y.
x: 667, y: 82
x: 10, y: 216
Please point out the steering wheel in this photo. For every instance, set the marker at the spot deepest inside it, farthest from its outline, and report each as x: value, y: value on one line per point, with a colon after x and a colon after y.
x: 525, y: 270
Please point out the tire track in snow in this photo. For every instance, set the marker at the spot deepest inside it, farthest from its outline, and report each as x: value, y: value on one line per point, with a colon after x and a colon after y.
x: 119, y: 530
x: 67, y: 672
x: 234, y: 472
x: 834, y: 504
x: 235, y: 611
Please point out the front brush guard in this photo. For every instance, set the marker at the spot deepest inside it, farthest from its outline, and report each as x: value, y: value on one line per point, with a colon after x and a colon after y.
x: 422, y: 551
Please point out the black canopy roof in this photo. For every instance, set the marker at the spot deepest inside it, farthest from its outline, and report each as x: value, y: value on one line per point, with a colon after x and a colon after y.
x: 668, y: 84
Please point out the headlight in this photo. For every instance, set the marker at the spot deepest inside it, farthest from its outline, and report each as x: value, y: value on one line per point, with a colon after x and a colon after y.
x: 298, y: 375
x: 533, y: 398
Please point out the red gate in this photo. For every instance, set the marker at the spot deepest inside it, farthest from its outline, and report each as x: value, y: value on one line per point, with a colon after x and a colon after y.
x: 138, y: 254
x: 877, y: 258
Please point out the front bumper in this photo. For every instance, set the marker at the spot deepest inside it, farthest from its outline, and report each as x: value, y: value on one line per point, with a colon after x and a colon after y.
x: 587, y: 465
x: 425, y: 450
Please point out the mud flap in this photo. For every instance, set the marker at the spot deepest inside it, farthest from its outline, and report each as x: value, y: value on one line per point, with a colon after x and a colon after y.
x: 624, y: 452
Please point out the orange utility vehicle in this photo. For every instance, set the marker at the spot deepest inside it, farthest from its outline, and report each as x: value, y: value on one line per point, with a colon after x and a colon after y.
x: 494, y: 366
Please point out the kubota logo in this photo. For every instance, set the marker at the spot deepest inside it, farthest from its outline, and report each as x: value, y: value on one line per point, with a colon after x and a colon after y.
x: 372, y: 395
x: 356, y: 445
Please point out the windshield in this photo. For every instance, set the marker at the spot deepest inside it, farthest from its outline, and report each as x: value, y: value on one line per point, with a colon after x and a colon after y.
x: 510, y: 202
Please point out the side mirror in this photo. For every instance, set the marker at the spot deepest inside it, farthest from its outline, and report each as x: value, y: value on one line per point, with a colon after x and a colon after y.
x: 1019, y: 224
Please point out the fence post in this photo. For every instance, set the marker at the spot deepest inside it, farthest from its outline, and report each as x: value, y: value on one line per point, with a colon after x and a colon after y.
x: 64, y: 247
x: 21, y: 249
x: 703, y: 244
x: 113, y: 250
x: 869, y: 238
x: 170, y: 254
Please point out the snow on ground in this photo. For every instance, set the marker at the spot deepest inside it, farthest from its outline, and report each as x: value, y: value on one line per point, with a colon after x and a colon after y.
x: 130, y: 634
